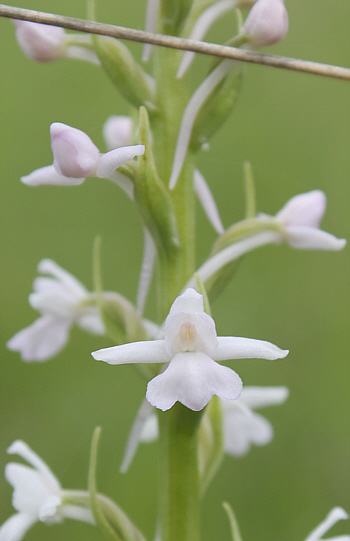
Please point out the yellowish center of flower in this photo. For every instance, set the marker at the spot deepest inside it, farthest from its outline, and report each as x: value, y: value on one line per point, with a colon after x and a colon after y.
x: 188, y: 335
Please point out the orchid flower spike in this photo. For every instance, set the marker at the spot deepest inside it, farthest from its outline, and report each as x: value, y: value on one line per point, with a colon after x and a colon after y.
x: 37, y: 495
x: 62, y: 301
x: 76, y: 157
x: 191, y: 347
x: 336, y: 514
x: 117, y: 131
x: 45, y: 43
x: 301, y: 217
x: 267, y: 23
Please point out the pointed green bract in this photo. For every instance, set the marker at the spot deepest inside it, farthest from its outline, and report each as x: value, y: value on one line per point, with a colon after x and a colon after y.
x: 236, y: 536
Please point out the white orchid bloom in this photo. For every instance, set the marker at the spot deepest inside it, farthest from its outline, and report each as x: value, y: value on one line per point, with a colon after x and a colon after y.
x: 37, y: 495
x: 191, y: 347
x: 62, y: 301
x: 117, y: 131
x: 297, y: 224
x: 76, y: 157
x: 242, y: 427
x: 267, y: 23
x: 336, y: 514
x: 46, y: 43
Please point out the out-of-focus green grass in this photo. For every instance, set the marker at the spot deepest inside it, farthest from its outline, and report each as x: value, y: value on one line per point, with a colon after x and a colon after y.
x: 294, y: 128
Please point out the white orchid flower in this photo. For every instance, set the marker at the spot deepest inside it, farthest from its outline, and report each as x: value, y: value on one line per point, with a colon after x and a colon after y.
x: 267, y: 23
x: 297, y: 224
x: 46, y: 43
x: 336, y: 514
x: 37, y: 495
x: 191, y: 347
x: 62, y: 301
x: 242, y: 427
x: 76, y: 157
x: 117, y: 131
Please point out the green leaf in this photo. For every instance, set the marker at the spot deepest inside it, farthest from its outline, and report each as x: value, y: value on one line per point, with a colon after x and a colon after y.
x: 236, y: 536
x: 152, y: 198
x: 124, y: 72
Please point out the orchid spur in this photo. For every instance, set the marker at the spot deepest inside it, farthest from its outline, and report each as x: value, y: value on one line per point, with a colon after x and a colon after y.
x: 62, y: 301
x: 336, y: 514
x: 191, y: 347
x: 38, y: 496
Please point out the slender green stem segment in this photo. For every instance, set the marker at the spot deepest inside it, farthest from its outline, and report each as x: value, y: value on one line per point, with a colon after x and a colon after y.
x: 213, y: 49
x: 179, y: 476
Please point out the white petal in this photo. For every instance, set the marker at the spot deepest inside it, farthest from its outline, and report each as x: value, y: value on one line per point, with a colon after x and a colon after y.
x: 31, y: 488
x: 77, y: 513
x: 15, y: 527
x: 90, y: 321
x: 49, y: 175
x: 48, y: 266
x: 150, y: 25
x: 123, y: 182
x: 308, y: 238
x: 117, y: 131
x: 189, y: 301
x: 260, y: 397
x: 136, y: 434
x: 192, y: 378
x: 150, y: 351
x: 207, y: 201
x: 82, y: 53
x: 146, y: 273
x: 42, y: 340
x: 336, y: 514
x: 113, y: 159
x: 242, y: 430
x: 230, y: 347
x: 23, y: 450
x: 190, y: 114
x: 305, y: 209
x: 203, y: 336
x: 202, y: 25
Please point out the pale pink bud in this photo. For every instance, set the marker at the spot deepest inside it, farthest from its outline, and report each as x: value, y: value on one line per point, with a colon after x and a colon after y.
x: 40, y: 42
x: 75, y: 155
x: 267, y: 23
x: 117, y: 131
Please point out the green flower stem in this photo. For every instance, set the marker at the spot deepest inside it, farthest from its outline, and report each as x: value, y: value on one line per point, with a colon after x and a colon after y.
x: 179, y: 495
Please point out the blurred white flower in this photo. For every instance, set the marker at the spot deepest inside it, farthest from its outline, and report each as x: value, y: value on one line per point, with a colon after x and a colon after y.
x: 76, y: 157
x: 46, y: 43
x: 336, y: 514
x: 191, y: 347
x: 62, y: 301
x: 267, y: 23
x: 37, y: 495
x: 117, y: 131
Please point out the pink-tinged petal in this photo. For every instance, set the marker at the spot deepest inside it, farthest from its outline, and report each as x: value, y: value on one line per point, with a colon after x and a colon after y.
x: 336, y: 514
x: 185, y: 331
x: 151, y: 351
x: 117, y: 131
x: 192, y: 378
x: 230, y: 347
x: 267, y: 23
x: 49, y: 176
x: 41, y: 42
x: 70, y: 282
x: 305, y: 209
x: 110, y: 161
x: 308, y: 238
x: 207, y: 201
x: 23, y: 450
x: 75, y: 155
x: 42, y: 340
x: 15, y: 527
x: 242, y: 430
x: 261, y: 397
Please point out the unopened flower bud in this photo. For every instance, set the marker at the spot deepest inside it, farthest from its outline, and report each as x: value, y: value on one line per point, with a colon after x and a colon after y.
x: 40, y: 42
x: 117, y: 131
x: 75, y: 155
x: 267, y: 23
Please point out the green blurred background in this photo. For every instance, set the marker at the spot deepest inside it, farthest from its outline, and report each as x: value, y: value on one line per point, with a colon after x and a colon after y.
x: 294, y: 128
